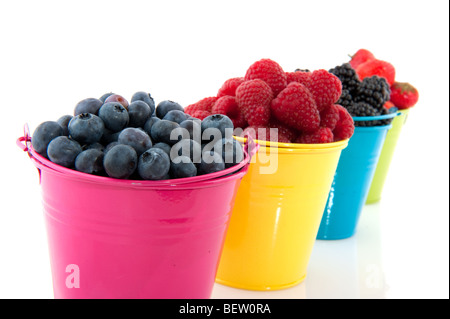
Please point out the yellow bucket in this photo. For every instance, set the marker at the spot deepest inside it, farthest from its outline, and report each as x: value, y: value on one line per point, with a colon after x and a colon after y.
x: 277, y: 213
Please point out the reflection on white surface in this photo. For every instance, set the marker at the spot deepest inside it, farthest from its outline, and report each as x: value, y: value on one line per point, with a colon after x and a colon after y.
x: 348, y: 268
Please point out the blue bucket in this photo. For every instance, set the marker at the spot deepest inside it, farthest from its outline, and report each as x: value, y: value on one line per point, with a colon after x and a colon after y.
x: 352, y: 179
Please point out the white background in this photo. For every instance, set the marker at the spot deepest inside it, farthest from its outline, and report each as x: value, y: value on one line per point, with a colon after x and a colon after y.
x: 55, y: 53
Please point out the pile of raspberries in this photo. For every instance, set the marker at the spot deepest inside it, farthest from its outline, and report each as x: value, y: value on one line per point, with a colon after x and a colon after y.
x: 301, y: 105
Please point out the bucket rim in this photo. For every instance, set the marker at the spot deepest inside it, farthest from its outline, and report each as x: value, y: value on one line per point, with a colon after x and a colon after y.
x: 298, y: 147
x: 375, y: 118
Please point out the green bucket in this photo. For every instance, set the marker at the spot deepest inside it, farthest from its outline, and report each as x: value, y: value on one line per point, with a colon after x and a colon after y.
x: 387, y: 153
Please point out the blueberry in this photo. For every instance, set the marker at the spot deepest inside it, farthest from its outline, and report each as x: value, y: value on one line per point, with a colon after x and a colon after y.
x: 154, y: 164
x: 118, y: 99
x: 231, y: 151
x: 148, y: 125
x: 90, y: 161
x: 136, y: 138
x: 165, y: 106
x: 114, y: 115
x: 194, y: 129
x: 44, y: 134
x: 181, y: 167
x: 165, y: 147
x: 110, y: 146
x: 63, y: 151
x: 96, y: 146
x: 145, y: 97
x: 89, y: 105
x: 161, y: 131
x: 109, y: 136
x: 64, y: 122
x: 176, y: 116
x: 86, y: 128
x: 139, y: 112
x: 105, y: 96
x: 189, y: 148
x: 120, y: 161
x: 215, y: 122
x: 211, y: 162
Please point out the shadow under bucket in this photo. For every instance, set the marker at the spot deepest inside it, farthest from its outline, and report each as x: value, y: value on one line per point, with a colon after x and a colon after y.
x: 387, y: 153
x: 111, y: 238
x: 352, y: 179
x: 276, y: 215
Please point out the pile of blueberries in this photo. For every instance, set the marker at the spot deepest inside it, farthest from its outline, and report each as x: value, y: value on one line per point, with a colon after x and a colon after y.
x: 112, y: 137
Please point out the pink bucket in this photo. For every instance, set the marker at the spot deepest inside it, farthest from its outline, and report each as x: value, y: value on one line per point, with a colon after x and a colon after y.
x: 111, y: 238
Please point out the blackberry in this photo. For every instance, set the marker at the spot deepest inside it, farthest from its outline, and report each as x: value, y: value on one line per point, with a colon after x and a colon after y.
x: 302, y: 70
x: 374, y: 91
x: 345, y: 99
x: 363, y: 109
x: 349, y: 79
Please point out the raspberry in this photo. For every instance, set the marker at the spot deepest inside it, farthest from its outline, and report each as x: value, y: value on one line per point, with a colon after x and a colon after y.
x: 329, y: 117
x: 265, y: 133
x: 229, y: 87
x: 205, y: 104
x: 298, y: 76
x: 344, y: 127
x: 227, y: 105
x: 199, y: 114
x: 253, y: 98
x: 325, y: 87
x: 270, y: 72
x: 322, y: 135
x: 295, y: 107
x: 283, y: 130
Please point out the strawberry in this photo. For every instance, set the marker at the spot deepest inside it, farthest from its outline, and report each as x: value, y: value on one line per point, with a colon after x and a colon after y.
x: 361, y: 56
x: 380, y: 68
x: 388, y: 105
x: 404, y: 95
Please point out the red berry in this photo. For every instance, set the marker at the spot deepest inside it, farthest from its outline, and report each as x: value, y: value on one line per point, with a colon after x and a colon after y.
x: 361, y: 56
x: 253, y: 98
x: 404, y: 95
x: 265, y: 133
x: 377, y: 67
x: 298, y: 76
x: 295, y: 107
x: 345, y: 126
x: 199, y: 114
x: 270, y: 72
x: 325, y: 87
x: 204, y: 104
x: 229, y: 87
x: 227, y: 105
x: 283, y: 130
x: 322, y: 135
x: 388, y: 105
x: 117, y: 98
x: 329, y: 116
